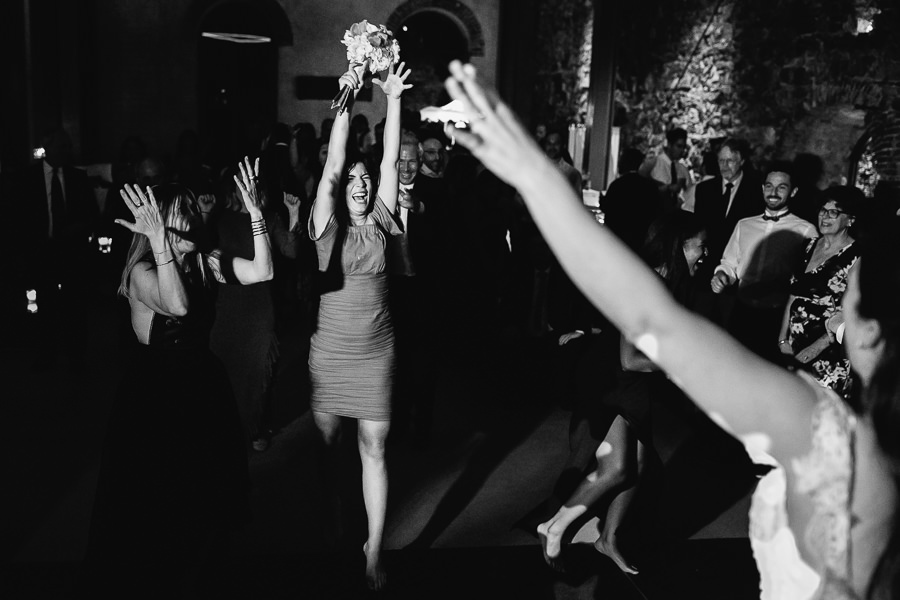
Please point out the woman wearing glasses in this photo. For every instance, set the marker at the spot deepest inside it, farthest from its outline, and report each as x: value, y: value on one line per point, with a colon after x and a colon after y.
x: 816, y: 293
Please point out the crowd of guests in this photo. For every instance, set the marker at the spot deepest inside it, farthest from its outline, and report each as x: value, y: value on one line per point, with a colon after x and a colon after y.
x: 707, y: 298
x: 823, y: 520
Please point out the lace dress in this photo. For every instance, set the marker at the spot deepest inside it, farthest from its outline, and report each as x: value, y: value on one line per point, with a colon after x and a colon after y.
x: 826, y: 476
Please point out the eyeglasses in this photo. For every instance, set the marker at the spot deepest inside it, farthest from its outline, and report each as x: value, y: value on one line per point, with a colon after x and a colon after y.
x: 831, y: 213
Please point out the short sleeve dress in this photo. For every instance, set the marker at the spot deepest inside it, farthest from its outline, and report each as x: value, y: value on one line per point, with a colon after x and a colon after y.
x: 351, y: 353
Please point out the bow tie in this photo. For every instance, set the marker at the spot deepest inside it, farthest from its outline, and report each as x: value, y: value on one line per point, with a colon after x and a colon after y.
x: 775, y: 217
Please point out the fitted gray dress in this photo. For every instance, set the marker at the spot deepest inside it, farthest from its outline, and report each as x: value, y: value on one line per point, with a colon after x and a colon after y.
x: 351, y: 353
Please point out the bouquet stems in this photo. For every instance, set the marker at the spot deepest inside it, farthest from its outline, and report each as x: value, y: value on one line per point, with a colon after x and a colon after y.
x: 340, y: 101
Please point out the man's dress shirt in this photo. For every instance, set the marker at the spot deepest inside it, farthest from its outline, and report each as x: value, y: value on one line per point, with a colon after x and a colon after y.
x: 762, y: 255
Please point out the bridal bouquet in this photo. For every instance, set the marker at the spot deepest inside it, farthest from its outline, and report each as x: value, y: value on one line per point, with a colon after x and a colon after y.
x: 370, y: 45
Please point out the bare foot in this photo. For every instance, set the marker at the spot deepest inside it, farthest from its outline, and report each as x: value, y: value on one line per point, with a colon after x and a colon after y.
x: 551, y: 546
x: 609, y: 548
x: 376, y: 578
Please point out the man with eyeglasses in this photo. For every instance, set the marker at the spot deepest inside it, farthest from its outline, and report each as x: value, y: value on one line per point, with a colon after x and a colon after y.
x: 760, y: 257
x: 726, y: 199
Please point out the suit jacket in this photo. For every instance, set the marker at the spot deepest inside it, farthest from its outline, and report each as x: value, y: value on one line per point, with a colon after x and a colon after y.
x: 630, y: 206
x: 419, y: 246
x: 710, y: 207
x: 27, y: 200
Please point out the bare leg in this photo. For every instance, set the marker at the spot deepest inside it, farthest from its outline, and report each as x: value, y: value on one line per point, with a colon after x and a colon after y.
x: 616, y: 458
x: 607, y: 543
x: 371, y: 439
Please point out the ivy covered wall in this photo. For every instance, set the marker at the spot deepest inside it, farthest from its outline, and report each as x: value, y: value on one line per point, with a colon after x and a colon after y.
x: 796, y: 78
x: 793, y: 77
x: 563, y: 62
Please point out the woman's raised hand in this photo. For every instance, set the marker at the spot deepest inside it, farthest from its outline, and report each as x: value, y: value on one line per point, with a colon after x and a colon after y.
x: 494, y: 135
x: 394, y: 82
x: 247, y: 186
x: 147, y: 219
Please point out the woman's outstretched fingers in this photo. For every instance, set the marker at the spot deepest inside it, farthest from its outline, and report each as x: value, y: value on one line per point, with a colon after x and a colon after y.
x: 466, y: 75
x: 458, y: 93
x: 141, y: 195
x: 129, y: 202
x: 243, y: 172
x: 151, y: 199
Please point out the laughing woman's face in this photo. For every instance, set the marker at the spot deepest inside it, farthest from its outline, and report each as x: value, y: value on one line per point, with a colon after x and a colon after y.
x: 359, y: 190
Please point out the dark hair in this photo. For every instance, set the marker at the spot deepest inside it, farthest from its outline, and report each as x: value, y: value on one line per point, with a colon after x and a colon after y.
x: 631, y: 160
x: 848, y: 198
x: 781, y: 166
x: 663, y: 249
x: 675, y: 134
x: 711, y: 162
x: 879, y: 286
x: 341, y: 214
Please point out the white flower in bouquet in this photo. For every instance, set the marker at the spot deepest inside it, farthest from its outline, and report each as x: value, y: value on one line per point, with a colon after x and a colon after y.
x: 373, y: 43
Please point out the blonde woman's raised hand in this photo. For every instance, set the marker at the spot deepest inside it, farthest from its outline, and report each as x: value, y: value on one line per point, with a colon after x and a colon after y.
x: 147, y: 219
x: 247, y: 185
x: 494, y: 135
x: 394, y: 82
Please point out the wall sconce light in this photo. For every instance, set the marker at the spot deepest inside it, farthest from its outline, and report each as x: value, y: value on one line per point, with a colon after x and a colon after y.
x: 237, y: 38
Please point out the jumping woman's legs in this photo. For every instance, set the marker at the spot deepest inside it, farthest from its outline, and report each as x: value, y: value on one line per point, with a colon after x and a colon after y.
x: 607, y: 542
x: 616, y: 469
x: 371, y: 438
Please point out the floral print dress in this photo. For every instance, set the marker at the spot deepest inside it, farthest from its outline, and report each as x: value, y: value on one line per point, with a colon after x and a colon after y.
x: 817, y: 296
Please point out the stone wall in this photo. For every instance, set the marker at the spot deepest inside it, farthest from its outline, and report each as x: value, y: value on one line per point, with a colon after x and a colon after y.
x: 794, y: 77
x: 562, y: 62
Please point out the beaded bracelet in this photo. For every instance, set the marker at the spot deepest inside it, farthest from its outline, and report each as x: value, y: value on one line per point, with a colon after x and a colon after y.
x: 165, y: 263
x: 259, y: 227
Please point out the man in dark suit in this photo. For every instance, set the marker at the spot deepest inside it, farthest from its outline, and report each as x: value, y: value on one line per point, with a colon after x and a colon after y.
x: 632, y: 201
x: 724, y: 200
x: 414, y: 262
x: 720, y: 202
x: 54, y: 215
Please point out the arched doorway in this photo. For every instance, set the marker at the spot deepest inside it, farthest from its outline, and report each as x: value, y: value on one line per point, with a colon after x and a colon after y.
x: 238, y: 75
x: 431, y: 33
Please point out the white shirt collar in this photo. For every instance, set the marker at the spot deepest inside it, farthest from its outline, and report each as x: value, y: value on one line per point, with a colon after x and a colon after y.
x: 736, y: 182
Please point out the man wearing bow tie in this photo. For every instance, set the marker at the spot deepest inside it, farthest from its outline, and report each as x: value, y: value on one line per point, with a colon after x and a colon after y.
x: 760, y: 257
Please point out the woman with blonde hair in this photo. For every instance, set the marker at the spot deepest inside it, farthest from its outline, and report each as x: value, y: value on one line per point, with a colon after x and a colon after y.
x: 173, y: 475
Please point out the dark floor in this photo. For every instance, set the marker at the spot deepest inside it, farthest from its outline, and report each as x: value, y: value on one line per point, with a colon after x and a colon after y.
x: 498, y: 444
